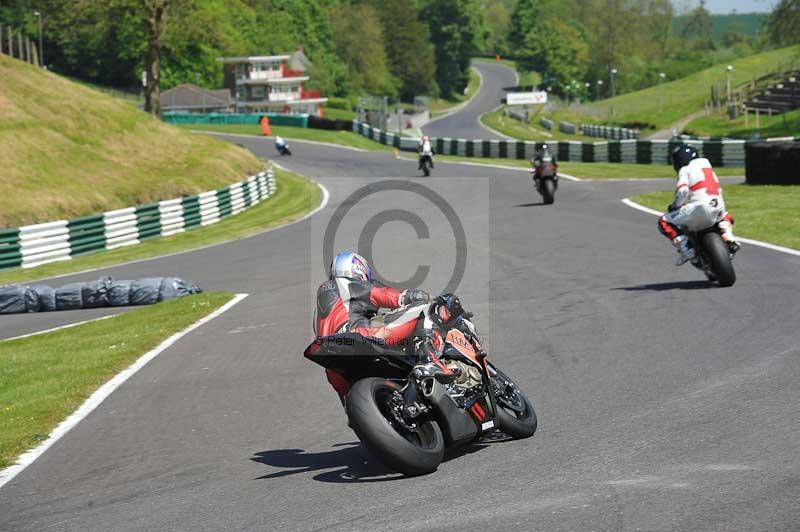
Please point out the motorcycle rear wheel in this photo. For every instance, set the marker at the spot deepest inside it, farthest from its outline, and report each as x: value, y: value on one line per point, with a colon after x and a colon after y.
x: 720, y: 259
x: 516, y: 414
x: 426, y: 169
x: 410, y: 452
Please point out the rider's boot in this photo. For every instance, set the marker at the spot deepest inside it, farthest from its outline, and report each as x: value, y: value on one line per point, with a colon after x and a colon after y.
x: 685, y: 253
x: 726, y: 229
x: 429, y: 364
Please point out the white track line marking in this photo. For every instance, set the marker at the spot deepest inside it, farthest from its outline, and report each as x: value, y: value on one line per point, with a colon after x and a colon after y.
x: 322, y: 205
x: 54, y: 329
x: 501, y: 166
x: 99, y: 395
x: 632, y: 204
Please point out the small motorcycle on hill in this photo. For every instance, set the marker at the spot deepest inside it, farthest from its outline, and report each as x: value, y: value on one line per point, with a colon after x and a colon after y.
x: 712, y: 256
x: 406, y: 419
x: 545, y: 178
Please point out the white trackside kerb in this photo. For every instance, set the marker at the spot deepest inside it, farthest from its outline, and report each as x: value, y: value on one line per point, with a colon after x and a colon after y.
x: 94, y: 400
x: 632, y: 204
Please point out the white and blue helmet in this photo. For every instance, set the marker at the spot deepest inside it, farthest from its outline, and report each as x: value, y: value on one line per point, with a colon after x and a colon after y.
x: 351, y: 266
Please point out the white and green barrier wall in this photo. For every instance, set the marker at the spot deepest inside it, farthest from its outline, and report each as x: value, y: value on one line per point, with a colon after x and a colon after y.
x: 719, y: 152
x: 33, y: 245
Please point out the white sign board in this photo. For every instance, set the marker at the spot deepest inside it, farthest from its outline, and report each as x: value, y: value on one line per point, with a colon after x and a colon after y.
x: 526, y: 98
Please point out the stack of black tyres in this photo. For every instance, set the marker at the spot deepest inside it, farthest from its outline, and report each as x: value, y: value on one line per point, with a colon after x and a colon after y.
x: 104, y: 292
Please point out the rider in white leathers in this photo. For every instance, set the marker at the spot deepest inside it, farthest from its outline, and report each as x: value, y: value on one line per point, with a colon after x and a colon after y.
x: 698, y: 201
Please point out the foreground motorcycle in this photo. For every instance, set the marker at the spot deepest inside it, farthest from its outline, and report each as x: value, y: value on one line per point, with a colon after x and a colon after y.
x: 545, y: 179
x: 712, y: 256
x: 283, y: 149
x: 407, y: 419
x: 426, y: 163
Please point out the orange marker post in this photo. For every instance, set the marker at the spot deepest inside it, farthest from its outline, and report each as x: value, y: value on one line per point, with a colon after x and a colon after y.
x: 265, y: 126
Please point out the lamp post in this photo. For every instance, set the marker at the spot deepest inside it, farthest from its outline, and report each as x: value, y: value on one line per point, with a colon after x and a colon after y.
x: 597, y: 92
x: 613, y: 87
x: 661, y: 77
x: 729, y: 69
x: 41, y: 48
x: 587, y: 85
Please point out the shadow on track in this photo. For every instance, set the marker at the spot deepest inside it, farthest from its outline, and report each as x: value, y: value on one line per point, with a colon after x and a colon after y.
x: 677, y: 285
x: 351, y: 463
x: 539, y: 204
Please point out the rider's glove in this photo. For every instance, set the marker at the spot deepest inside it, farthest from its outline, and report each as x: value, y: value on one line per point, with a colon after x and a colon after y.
x: 412, y: 297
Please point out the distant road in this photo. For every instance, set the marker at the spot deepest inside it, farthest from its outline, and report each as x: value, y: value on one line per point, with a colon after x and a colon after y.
x: 465, y: 123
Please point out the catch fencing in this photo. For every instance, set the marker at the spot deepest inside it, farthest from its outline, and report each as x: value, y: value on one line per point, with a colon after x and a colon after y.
x: 34, y: 245
x: 15, y: 44
x: 719, y: 152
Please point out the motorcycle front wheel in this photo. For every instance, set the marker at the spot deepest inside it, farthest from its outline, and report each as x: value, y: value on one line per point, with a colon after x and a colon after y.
x: 548, y: 191
x: 411, y: 451
x: 517, y: 417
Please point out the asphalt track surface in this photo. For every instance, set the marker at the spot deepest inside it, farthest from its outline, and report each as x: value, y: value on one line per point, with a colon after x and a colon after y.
x: 664, y: 403
x: 466, y: 122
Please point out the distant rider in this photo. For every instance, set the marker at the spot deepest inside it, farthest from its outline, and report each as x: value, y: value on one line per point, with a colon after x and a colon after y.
x: 280, y: 144
x: 697, y: 188
x: 425, y: 149
x: 348, y: 301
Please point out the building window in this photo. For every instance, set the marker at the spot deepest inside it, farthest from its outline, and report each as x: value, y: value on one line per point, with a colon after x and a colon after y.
x: 257, y: 92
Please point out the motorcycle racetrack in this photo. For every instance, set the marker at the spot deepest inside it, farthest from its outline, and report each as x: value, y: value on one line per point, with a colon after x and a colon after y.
x: 664, y: 403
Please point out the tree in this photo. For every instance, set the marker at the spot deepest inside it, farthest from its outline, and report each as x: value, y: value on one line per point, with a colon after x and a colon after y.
x: 523, y: 19
x: 457, y: 31
x: 498, y: 21
x: 408, y: 47
x: 557, y: 49
x: 156, y: 14
x: 783, y: 25
x: 358, y: 40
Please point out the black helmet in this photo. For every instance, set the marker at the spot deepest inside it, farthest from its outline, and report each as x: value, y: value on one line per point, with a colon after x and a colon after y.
x: 683, y: 155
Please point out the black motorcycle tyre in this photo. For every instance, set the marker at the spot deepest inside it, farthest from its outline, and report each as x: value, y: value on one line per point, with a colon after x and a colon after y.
x: 383, y: 440
x: 517, y: 428
x: 548, y: 191
x: 720, y: 259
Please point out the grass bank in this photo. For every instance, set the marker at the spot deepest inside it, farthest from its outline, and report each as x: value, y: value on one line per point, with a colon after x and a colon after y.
x: 516, y: 129
x: 719, y: 125
x: 344, y: 138
x: 45, y: 378
x: 295, y: 197
x: 680, y: 97
x: 68, y: 150
x: 762, y: 212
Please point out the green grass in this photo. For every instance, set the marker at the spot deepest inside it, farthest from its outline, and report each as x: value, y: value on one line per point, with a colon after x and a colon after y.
x: 533, y: 131
x: 594, y: 170
x: 683, y: 96
x: 294, y: 197
x: 344, y: 138
x: 762, y: 212
x: 67, y: 150
x: 718, y: 125
x: 339, y: 114
x: 45, y: 378
x: 441, y: 105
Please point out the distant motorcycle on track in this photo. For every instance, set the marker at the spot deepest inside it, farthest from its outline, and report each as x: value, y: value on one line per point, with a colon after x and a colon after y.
x: 282, y: 146
x: 545, y: 178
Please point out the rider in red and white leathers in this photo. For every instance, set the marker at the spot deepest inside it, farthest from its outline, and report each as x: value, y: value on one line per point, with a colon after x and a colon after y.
x: 697, y: 194
x: 349, y: 300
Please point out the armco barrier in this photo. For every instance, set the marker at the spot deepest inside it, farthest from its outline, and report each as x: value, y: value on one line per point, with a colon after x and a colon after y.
x: 275, y: 119
x: 719, y: 152
x: 33, y: 245
x: 609, y: 132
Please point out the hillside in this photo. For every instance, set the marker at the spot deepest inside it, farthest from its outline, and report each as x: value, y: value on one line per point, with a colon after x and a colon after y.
x: 681, y: 97
x: 68, y: 150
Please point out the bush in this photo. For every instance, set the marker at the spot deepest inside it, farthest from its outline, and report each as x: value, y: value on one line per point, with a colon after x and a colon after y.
x: 339, y: 103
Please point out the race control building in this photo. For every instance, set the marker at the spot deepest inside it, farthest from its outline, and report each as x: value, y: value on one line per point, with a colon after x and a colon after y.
x: 271, y: 83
